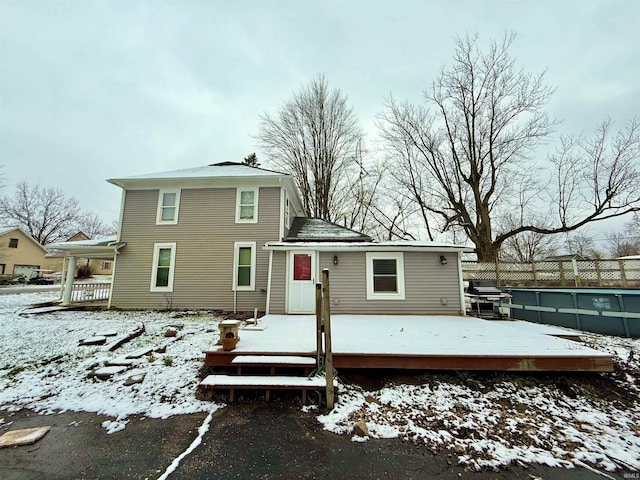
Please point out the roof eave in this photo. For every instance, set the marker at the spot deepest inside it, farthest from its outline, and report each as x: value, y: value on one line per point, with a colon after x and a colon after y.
x: 363, y: 246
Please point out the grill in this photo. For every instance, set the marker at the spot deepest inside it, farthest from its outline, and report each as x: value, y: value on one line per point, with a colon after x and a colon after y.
x: 484, y: 299
x: 484, y: 288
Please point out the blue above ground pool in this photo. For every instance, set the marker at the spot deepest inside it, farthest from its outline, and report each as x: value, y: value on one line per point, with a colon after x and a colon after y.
x: 613, y: 311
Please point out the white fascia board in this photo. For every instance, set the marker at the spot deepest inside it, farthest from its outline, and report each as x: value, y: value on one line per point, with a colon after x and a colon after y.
x: 201, y: 182
x: 294, y: 195
x: 363, y: 246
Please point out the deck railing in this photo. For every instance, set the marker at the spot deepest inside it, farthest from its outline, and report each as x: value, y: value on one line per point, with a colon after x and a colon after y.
x: 90, y: 292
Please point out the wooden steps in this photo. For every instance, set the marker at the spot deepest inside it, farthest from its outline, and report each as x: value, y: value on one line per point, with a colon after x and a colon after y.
x: 264, y: 382
x: 269, y: 381
x: 273, y: 362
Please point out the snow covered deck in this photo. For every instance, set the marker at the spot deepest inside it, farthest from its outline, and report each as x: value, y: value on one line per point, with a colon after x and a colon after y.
x: 419, y: 342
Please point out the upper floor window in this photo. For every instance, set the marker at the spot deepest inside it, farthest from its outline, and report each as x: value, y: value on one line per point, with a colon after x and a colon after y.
x: 168, y: 205
x: 385, y: 276
x: 164, y: 261
x: 247, y: 205
x: 13, y: 243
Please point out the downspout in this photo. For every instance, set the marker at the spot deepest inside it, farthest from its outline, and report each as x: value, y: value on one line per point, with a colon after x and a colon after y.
x: 266, y: 309
x: 463, y: 308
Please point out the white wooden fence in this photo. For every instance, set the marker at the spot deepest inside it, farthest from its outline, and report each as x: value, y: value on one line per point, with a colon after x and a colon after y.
x: 600, y: 273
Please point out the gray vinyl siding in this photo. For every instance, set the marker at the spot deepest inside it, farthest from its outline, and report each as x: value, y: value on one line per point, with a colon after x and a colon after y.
x: 204, y: 237
x: 278, y: 282
x: 426, y: 283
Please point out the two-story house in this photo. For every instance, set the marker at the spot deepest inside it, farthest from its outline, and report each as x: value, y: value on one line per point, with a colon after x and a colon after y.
x: 20, y: 254
x: 233, y: 237
x: 194, y: 237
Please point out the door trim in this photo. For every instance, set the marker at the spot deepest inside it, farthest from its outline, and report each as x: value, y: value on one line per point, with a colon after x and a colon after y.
x: 289, y: 280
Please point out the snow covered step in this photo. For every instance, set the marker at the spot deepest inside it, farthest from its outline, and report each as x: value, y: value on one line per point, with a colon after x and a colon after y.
x: 264, y: 382
x: 280, y: 360
x: 273, y: 361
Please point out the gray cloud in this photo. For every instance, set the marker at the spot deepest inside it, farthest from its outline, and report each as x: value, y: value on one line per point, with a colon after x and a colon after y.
x: 92, y: 90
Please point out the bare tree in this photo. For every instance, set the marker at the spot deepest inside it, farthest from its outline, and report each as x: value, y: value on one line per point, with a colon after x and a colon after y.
x: 314, y: 138
x: 93, y: 226
x: 468, y: 152
x: 529, y: 247
x: 582, y: 244
x: 627, y: 242
x: 47, y: 214
x: 622, y: 245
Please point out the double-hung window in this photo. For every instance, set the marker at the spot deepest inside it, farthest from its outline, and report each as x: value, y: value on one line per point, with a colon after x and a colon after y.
x: 247, y: 205
x: 385, y: 275
x: 164, y: 262
x: 168, y: 206
x: 244, y: 266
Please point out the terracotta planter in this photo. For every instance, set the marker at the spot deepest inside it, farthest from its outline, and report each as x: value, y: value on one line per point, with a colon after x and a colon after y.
x: 230, y: 343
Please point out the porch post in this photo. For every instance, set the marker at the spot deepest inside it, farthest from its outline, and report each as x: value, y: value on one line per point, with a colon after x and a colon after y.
x: 63, y: 276
x: 68, y: 286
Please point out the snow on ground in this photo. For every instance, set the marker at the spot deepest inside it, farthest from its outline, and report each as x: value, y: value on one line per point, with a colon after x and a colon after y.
x: 43, y: 368
x: 485, y: 421
x: 562, y: 421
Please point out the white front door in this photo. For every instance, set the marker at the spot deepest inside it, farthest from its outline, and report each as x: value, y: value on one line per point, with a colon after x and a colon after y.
x: 302, y: 282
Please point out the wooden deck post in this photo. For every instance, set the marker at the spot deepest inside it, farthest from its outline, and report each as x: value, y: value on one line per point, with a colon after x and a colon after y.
x: 319, y: 353
x: 623, y: 275
x: 326, y: 317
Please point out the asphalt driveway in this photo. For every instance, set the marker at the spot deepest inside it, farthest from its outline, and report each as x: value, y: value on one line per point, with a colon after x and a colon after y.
x: 245, y: 441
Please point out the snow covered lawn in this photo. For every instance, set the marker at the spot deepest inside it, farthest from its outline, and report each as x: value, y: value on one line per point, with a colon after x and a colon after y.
x: 43, y: 368
x: 486, y: 421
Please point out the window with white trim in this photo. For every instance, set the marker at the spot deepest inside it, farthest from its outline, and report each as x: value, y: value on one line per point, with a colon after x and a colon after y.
x: 385, y: 275
x: 168, y: 205
x: 247, y: 205
x: 244, y: 266
x: 164, y: 262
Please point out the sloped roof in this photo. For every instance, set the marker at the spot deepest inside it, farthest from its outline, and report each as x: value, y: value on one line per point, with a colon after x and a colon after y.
x: 217, y: 170
x: 102, y: 248
x: 5, y: 230
x: 316, y: 230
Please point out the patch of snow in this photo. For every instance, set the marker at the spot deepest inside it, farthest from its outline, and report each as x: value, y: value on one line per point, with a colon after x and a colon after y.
x: 204, y: 428
x: 43, y: 368
x: 113, y: 426
x: 496, y: 425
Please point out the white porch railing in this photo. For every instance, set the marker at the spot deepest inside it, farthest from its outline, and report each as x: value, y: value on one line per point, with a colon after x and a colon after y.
x: 90, y: 292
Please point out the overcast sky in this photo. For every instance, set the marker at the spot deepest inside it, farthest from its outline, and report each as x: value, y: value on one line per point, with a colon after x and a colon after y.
x: 91, y: 90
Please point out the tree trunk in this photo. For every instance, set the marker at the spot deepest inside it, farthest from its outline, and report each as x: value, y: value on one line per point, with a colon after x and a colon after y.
x: 486, y: 250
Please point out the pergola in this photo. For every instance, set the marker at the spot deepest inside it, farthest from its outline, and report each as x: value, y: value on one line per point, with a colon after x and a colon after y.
x: 100, y: 249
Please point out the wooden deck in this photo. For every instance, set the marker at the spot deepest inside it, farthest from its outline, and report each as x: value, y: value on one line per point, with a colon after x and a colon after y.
x: 419, y: 342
